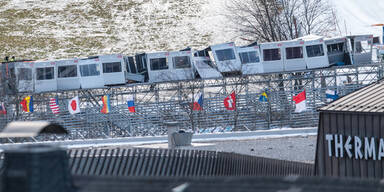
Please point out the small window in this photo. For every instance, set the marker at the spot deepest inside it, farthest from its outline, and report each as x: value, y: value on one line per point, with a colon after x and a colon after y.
x: 181, y: 62
x: 45, y: 73
x: 271, y: 54
x: 249, y: 57
x: 294, y: 52
x: 315, y: 51
x: 335, y: 48
x: 225, y: 54
x: 159, y: 64
x: 89, y: 70
x: 114, y: 67
x: 24, y: 74
x: 67, y: 71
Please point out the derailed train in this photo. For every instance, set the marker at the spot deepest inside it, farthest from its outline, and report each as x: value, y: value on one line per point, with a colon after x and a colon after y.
x: 309, y: 52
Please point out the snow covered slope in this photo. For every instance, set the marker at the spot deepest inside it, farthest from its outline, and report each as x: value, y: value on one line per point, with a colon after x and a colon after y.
x: 357, y: 16
x: 47, y: 29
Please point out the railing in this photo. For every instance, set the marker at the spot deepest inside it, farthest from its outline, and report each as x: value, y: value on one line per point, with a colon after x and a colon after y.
x: 156, y: 103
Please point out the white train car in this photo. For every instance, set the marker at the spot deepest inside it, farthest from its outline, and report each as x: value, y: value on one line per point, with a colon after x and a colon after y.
x: 272, y: 57
x: 114, y: 69
x: 337, y: 51
x: 226, y: 58
x: 360, y: 48
x: 170, y: 66
x: 90, y: 73
x: 315, y: 52
x: 293, y: 52
x: 24, y: 76
x: 46, y: 77
x: 68, y: 77
x: 250, y: 60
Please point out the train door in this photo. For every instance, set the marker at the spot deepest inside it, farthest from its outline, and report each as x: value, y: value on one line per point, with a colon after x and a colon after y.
x: 113, y: 69
x: 46, y: 78
x: 67, y: 75
x: 90, y: 73
x: 250, y: 60
x: 226, y: 57
x: 294, y: 55
x: 273, y: 57
x: 181, y: 66
x: 315, y: 53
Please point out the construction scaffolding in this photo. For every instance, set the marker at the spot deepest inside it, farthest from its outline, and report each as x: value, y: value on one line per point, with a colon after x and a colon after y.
x: 157, y: 103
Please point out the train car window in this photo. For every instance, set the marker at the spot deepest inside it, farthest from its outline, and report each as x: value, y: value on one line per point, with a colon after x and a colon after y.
x: 294, y: 52
x: 24, y: 74
x: 89, y: 70
x: 112, y: 67
x: 315, y: 50
x: 181, y: 62
x: 249, y: 57
x: 272, y: 54
x: 67, y: 71
x: 45, y: 73
x: 335, y: 48
x: 225, y: 54
x: 159, y: 64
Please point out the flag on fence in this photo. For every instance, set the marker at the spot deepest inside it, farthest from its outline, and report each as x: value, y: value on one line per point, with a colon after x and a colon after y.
x: 131, y: 104
x: 263, y: 97
x: 300, y: 101
x: 106, y: 104
x: 198, y: 102
x: 53, y: 104
x: 3, y: 111
x: 74, y: 105
x: 27, y: 104
x: 230, y: 102
x: 331, y: 95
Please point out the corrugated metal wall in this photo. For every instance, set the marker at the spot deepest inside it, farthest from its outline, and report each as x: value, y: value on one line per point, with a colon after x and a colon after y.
x: 349, y: 124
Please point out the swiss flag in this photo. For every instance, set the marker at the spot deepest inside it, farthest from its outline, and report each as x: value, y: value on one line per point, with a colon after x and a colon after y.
x: 230, y: 102
x: 74, y: 105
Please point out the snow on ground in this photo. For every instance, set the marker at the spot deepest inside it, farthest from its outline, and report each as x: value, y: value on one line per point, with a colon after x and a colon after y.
x: 48, y: 29
x: 357, y: 16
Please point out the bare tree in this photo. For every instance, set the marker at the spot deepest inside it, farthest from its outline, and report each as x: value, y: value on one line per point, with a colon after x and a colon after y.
x: 277, y: 20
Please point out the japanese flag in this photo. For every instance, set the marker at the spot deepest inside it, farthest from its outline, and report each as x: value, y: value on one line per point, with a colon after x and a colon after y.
x: 74, y: 105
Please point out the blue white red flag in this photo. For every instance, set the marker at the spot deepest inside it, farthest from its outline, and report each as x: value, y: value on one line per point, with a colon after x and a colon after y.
x: 131, y: 104
x: 198, y: 102
x: 3, y: 111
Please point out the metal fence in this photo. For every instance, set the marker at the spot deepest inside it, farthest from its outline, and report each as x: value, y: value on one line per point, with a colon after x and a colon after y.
x: 179, y: 163
x: 161, y: 102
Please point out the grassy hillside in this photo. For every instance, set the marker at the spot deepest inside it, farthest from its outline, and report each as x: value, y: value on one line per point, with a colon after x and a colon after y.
x: 47, y: 29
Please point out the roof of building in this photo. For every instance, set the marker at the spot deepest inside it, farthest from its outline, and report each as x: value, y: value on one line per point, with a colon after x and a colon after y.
x: 223, y: 184
x: 369, y: 99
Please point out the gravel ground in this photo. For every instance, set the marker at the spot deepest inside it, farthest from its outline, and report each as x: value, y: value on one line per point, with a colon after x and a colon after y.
x: 298, y: 148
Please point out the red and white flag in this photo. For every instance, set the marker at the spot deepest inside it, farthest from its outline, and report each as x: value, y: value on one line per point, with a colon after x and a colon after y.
x: 3, y: 111
x: 300, y: 101
x: 230, y: 102
x: 53, y: 105
x: 74, y: 105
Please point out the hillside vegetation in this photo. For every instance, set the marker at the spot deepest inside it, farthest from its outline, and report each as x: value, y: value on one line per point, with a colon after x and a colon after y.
x: 48, y: 29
